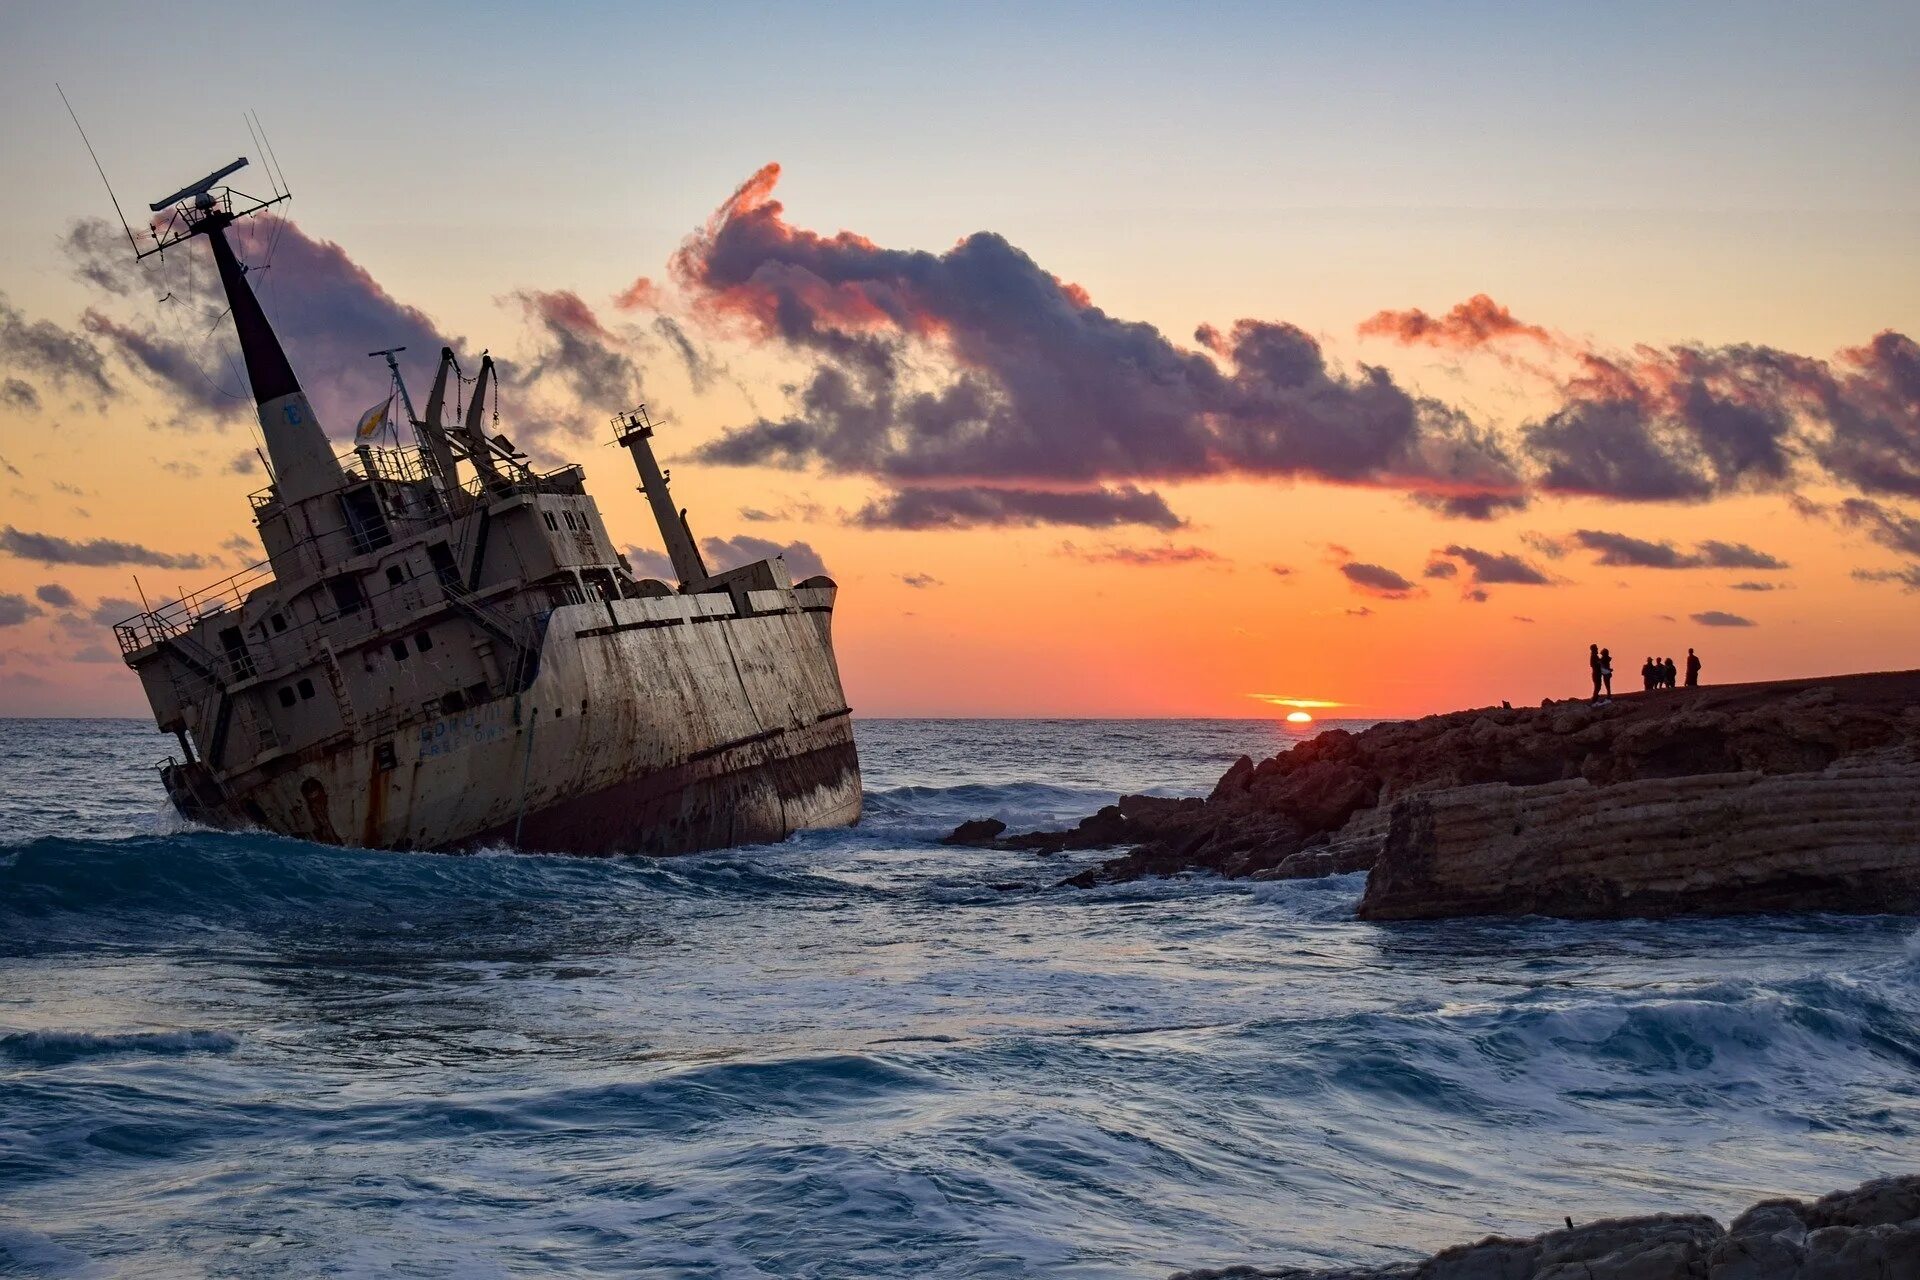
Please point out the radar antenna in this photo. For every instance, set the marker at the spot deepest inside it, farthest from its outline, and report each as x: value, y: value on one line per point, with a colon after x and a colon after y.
x: 203, y: 206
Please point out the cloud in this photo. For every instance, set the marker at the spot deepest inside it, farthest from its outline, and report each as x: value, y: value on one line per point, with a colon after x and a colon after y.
x: 327, y: 308
x: 1142, y: 557
x: 1759, y: 586
x: 1908, y: 577
x: 46, y: 548
x: 67, y: 359
x: 16, y: 394
x: 1473, y: 323
x: 920, y: 581
x: 979, y: 366
x: 56, y: 595
x: 1377, y: 580
x: 1362, y: 612
x: 1887, y: 526
x: 970, y: 507
x: 1440, y: 569
x: 1715, y: 618
x: 96, y: 653
x: 647, y: 563
x: 112, y: 609
x: 1619, y: 550
x: 1281, y: 570
x: 725, y: 553
x: 1497, y: 568
x: 578, y: 354
x: 16, y: 609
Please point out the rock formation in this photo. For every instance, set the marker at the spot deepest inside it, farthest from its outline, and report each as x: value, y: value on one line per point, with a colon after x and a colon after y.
x: 1788, y: 795
x: 1869, y: 1233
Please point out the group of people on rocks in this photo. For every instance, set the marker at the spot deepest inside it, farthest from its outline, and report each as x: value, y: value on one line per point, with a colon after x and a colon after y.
x: 1655, y: 673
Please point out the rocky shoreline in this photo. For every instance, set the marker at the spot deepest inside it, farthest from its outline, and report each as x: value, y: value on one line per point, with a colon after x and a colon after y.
x: 1870, y: 1233
x: 1788, y: 795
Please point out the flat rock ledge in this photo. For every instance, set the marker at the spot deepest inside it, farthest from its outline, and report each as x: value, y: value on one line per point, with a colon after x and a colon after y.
x: 1869, y: 1233
x: 1790, y: 795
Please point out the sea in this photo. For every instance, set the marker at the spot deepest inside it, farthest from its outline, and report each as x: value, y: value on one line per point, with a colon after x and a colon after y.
x: 862, y: 1053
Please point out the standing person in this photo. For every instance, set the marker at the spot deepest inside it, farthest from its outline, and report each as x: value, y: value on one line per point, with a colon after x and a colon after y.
x: 1693, y: 670
x: 1672, y: 674
x: 1606, y: 670
x: 1593, y: 664
x: 1646, y: 674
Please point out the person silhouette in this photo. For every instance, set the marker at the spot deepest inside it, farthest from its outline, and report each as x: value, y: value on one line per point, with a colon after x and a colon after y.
x: 1672, y: 674
x: 1593, y: 664
x: 1606, y: 670
x: 1693, y: 670
x: 1646, y: 674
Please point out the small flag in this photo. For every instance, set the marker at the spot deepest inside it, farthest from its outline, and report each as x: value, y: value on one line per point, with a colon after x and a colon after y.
x: 373, y: 419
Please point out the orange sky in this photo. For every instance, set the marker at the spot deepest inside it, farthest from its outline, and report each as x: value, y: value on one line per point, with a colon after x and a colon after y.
x: 1189, y: 178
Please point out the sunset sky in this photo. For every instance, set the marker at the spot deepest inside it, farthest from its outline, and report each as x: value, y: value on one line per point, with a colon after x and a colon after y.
x: 1115, y: 360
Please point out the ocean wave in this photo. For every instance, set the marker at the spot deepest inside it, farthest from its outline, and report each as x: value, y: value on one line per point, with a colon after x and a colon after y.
x: 55, y: 1048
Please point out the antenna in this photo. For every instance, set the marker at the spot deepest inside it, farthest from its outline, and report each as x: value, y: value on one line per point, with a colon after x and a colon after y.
x: 253, y: 133
x: 199, y: 192
x: 97, y: 167
x: 266, y: 145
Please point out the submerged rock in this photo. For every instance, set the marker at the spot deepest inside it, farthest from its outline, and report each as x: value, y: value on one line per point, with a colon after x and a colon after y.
x: 1871, y: 1232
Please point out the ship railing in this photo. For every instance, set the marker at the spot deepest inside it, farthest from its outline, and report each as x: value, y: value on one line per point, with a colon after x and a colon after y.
x: 366, y: 462
x: 177, y: 617
x: 566, y: 480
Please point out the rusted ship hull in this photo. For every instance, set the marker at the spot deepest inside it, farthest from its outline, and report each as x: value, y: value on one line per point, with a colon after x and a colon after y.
x: 657, y: 726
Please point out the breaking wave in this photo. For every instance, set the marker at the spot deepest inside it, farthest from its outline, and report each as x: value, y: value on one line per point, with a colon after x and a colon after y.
x: 865, y: 1052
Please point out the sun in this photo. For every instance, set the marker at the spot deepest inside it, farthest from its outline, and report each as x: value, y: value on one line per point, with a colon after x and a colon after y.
x: 1299, y: 717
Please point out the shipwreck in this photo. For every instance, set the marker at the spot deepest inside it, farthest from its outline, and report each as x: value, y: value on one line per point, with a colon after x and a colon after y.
x: 444, y: 649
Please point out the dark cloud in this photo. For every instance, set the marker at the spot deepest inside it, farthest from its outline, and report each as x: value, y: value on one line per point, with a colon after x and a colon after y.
x: 42, y: 347
x: 726, y: 553
x: 1377, y: 580
x: 1362, y: 612
x: 16, y: 609
x: 1039, y: 386
x: 960, y: 508
x: 1473, y: 323
x: 1619, y: 550
x: 56, y: 595
x: 112, y: 609
x: 1497, y: 568
x: 920, y: 581
x: 1142, y: 557
x: 46, y: 548
x: 327, y: 308
x: 700, y: 365
x: 1887, y: 526
x: 1759, y: 586
x: 1476, y: 596
x: 651, y: 564
x: 1715, y: 618
x: 1908, y: 577
x: 580, y: 354
x: 1282, y: 570
x: 1440, y: 569
x: 17, y: 394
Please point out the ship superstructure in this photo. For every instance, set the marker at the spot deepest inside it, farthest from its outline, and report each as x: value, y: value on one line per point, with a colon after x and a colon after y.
x: 444, y: 648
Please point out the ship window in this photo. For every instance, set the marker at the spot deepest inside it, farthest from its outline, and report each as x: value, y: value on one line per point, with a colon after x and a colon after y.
x: 423, y: 642
x: 305, y: 686
x: 399, y: 650
x: 551, y: 523
x: 452, y: 702
x: 347, y: 596
x: 476, y: 693
x: 279, y: 622
x: 384, y: 758
x: 286, y: 696
x: 394, y: 576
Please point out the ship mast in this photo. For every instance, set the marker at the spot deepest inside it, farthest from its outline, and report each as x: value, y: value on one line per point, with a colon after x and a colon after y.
x: 634, y: 429
x: 303, y: 462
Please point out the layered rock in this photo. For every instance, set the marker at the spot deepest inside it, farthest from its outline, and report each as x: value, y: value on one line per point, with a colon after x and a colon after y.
x: 1845, y: 838
x: 1327, y: 805
x: 1870, y: 1233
